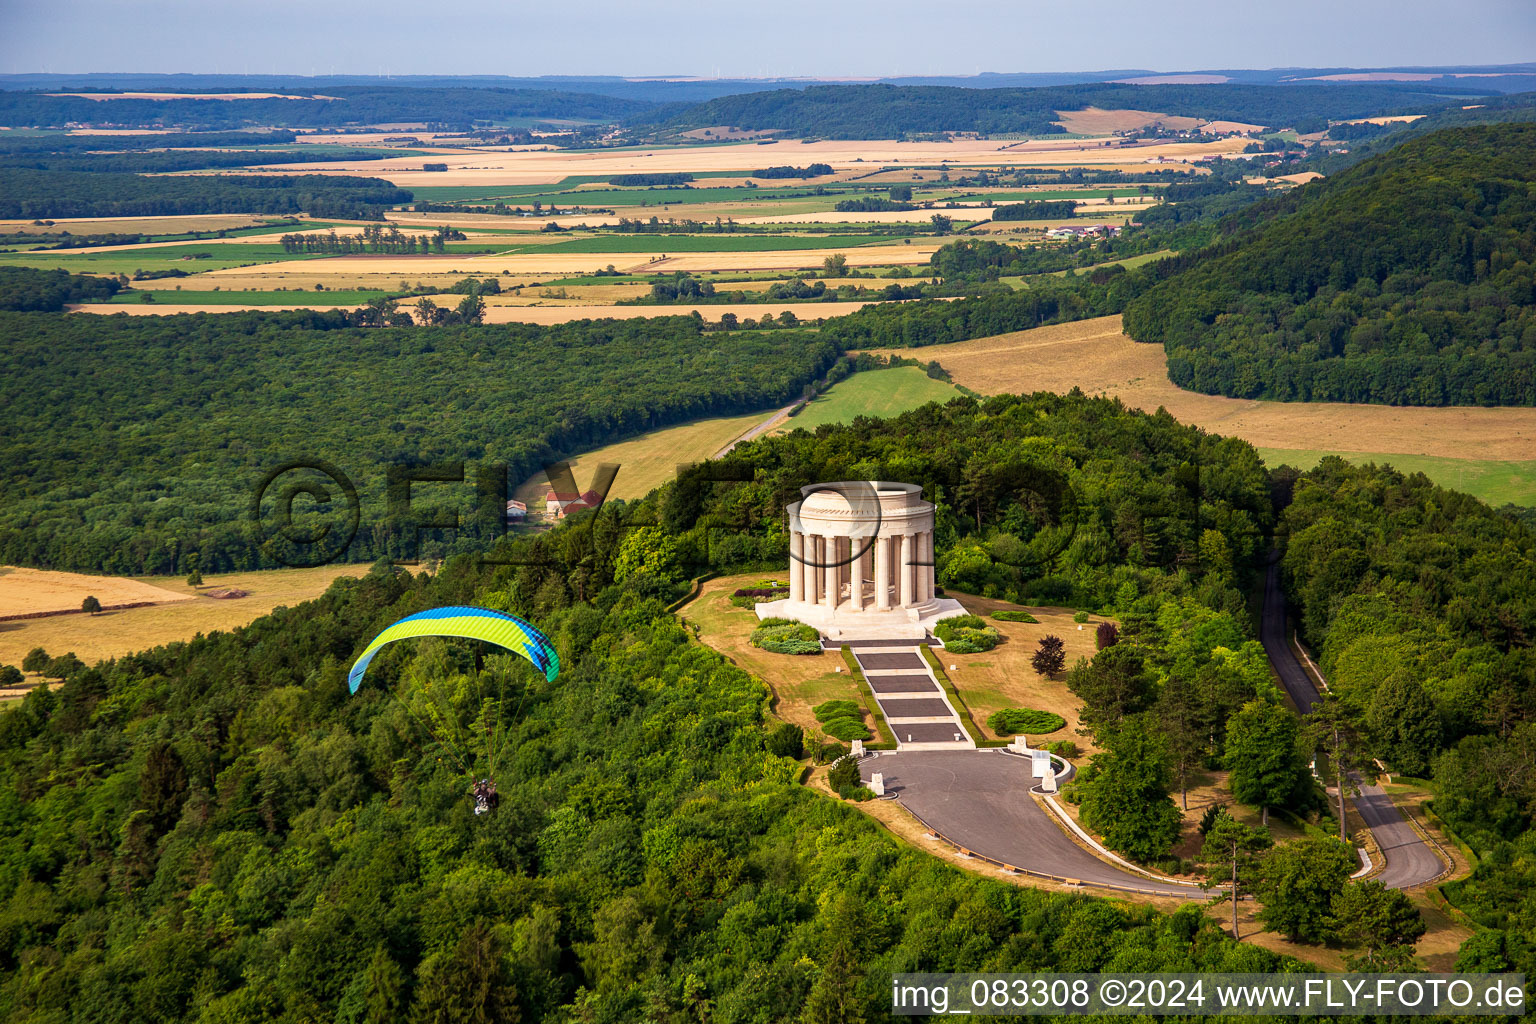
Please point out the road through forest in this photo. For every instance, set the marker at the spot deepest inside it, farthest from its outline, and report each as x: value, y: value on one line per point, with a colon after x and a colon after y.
x: 1410, y: 861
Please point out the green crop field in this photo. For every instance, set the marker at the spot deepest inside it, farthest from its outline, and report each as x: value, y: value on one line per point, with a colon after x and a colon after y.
x: 872, y: 393
x: 1497, y: 483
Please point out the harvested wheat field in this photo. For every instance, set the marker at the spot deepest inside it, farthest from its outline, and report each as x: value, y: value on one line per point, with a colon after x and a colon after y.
x: 1094, y: 121
x: 166, y: 225
x: 1384, y: 119
x: 174, y: 308
x: 1096, y: 356
x: 23, y: 590
x: 585, y: 263
x: 650, y: 460
x: 181, y: 615
x: 544, y: 166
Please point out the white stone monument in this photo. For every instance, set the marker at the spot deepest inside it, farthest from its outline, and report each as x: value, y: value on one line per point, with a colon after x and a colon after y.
x: 858, y: 748
x: 877, y: 784
x: 861, y: 562
x: 1040, y: 764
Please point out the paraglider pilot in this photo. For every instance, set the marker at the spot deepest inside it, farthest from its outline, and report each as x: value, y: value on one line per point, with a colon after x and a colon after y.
x: 485, y: 796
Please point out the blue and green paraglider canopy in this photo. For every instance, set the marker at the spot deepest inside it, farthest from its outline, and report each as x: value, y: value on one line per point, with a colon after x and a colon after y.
x: 467, y: 722
x: 493, y: 627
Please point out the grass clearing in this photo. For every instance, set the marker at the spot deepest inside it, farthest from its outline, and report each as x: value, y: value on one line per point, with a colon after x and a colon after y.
x: 799, y: 682
x: 881, y: 393
x: 1497, y: 483
x: 1003, y: 677
x: 650, y: 460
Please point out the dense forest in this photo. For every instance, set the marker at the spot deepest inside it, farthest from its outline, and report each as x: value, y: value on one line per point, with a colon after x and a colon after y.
x: 1405, y: 280
x: 25, y: 290
x: 33, y: 194
x: 890, y: 111
x: 340, y: 105
x: 172, y: 420
x: 1421, y: 603
x: 216, y: 831
x: 182, y: 160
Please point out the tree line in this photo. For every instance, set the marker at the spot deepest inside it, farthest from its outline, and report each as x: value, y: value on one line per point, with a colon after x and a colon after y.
x: 28, y: 195
x: 372, y: 239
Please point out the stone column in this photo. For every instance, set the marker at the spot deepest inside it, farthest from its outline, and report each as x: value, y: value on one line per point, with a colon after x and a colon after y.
x: 856, y: 573
x: 796, y: 566
x: 904, y: 566
x: 882, y: 573
x: 812, y: 577
x: 831, y: 574
x: 925, y: 573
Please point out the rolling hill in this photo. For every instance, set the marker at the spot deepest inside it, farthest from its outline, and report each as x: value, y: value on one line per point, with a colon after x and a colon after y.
x: 1405, y: 280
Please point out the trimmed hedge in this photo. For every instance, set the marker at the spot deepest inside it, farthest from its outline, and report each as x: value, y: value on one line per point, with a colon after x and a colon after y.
x: 785, y: 636
x: 1008, y: 615
x: 1019, y: 721
x: 966, y: 634
x: 828, y: 710
x: 846, y: 729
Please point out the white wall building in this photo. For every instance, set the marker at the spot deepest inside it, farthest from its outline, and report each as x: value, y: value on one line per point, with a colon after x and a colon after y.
x: 862, y: 562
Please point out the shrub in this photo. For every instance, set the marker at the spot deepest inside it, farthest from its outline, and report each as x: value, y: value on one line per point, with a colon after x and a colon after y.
x: 1107, y: 635
x: 966, y: 634
x: 753, y: 598
x: 785, y: 636
x: 1050, y: 657
x: 1208, y: 819
x: 846, y: 729
x: 1063, y: 748
x: 1080, y: 617
x: 830, y: 752
x: 1024, y: 720
x: 828, y: 710
x: 10, y: 675
x: 790, y: 645
x: 788, y: 740
x: 843, y: 776
x: 1009, y: 615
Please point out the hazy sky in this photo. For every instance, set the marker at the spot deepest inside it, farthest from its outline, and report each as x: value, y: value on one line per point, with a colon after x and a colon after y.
x: 774, y: 38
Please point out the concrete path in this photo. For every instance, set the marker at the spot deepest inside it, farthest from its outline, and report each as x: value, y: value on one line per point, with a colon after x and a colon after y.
x: 1410, y: 861
x: 979, y: 799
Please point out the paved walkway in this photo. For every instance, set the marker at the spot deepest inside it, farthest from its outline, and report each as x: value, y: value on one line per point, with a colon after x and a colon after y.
x: 979, y: 799
x: 910, y: 697
x: 1410, y: 861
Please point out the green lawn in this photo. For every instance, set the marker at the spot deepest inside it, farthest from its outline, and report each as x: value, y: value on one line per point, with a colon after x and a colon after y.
x: 1496, y: 483
x: 873, y: 393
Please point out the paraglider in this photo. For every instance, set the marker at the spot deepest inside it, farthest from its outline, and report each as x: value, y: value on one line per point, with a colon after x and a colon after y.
x: 499, y: 628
